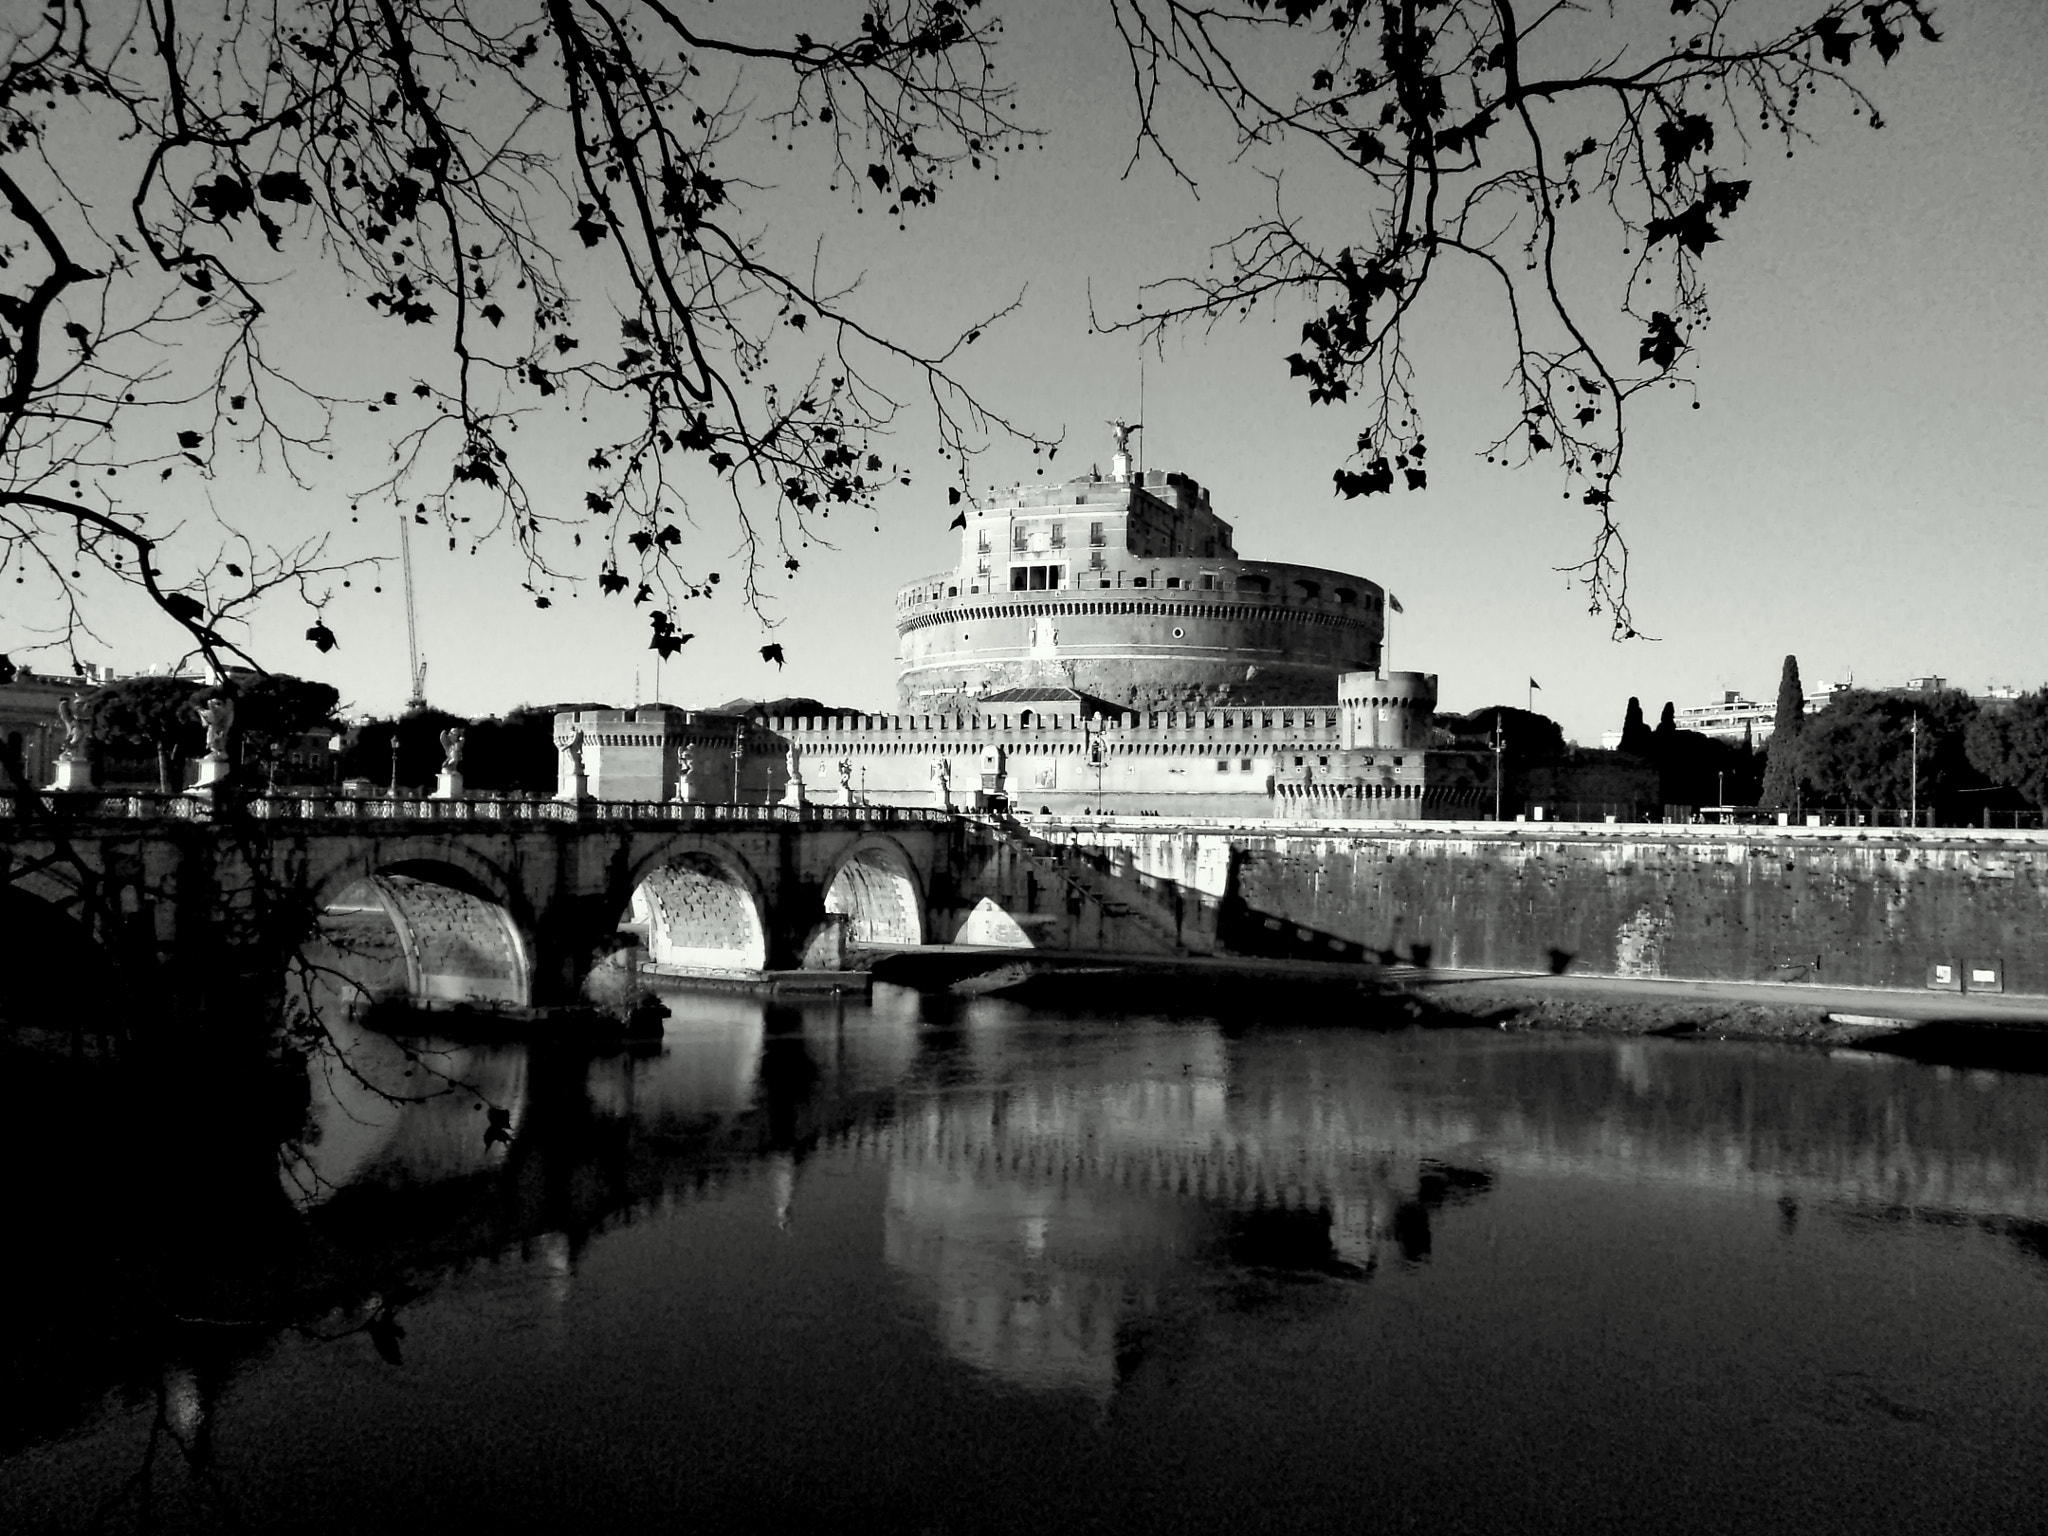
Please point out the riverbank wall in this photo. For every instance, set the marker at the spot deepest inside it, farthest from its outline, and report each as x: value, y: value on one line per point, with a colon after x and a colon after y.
x: 1948, y: 909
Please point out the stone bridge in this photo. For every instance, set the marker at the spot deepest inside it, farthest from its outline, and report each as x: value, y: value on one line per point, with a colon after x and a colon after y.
x: 506, y: 902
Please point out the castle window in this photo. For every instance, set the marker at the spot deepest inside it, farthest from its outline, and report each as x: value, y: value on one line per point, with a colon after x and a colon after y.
x: 1308, y: 590
x: 1017, y: 536
x: 1173, y: 581
x: 1345, y: 596
x: 1020, y: 577
x: 1137, y: 581
x: 1094, y: 559
x: 1096, y: 536
x: 981, y: 542
x: 1244, y: 765
x: 1059, y: 535
x: 1223, y: 765
x: 952, y: 591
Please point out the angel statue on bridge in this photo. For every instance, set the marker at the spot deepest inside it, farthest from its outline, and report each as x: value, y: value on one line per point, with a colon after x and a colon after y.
x: 451, y: 748
x: 76, y: 718
x: 218, y: 716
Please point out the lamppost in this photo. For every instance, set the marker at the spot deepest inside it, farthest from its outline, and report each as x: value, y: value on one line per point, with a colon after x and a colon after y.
x: 1914, y: 802
x: 737, y: 744
x: 394, y: 764
x: 1500, y: 740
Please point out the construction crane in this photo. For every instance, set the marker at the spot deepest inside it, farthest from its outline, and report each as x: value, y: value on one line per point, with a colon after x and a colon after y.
x: 418, y: 701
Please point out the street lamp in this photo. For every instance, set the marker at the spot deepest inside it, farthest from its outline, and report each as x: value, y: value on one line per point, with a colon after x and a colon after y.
x: 1500, y: 738
x: 1915, y: 800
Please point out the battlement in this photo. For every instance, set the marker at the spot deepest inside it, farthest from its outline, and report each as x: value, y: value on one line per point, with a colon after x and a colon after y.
x: 1289, y: 760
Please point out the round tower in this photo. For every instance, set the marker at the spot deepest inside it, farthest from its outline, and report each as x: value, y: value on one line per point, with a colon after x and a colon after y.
x: 1386, y: 709
x: 1129, y: 589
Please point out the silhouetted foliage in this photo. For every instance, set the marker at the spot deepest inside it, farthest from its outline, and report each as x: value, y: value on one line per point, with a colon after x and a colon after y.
x: 153, y: 716
x: 514, y: 753
x: 1696, y: 769
x: 1530, y: 740
x: 1860, y: 750
x: 1780, y: 789
x: 1506, y: 138
x: 368, y: 754
x: 2008, y: 744
x: 1635, y: 733
x: 554, y: 206
x: 272, y: 710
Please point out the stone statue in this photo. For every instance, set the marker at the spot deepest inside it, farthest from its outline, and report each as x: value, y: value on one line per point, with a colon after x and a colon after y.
x: 793, y: 784
x: 451, y: 748
x: 1123, y: 431
x: 575, y: 751
x: 686, y: 765
x: 942, y: 778
x: 218, y: 716
x: 77, y: 722
x: 846, y: 774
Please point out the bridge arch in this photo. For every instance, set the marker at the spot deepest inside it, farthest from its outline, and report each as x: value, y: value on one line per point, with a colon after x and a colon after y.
x: 875, y: 885
x: 698, y: 906
x: 433, y: 923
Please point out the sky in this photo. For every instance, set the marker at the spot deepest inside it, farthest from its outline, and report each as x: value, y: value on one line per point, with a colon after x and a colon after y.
x: 1862, y: 486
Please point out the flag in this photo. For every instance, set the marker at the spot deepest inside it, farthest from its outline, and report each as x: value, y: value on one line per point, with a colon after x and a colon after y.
x: 1534, y: 684
x: 1394, y: 603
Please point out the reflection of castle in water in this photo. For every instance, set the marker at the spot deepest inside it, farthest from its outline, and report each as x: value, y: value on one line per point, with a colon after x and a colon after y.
x: 1048, y: 1205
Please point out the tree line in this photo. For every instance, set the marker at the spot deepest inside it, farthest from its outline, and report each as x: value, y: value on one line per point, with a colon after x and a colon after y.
x: 1943, y: 753
x: 146, y: 727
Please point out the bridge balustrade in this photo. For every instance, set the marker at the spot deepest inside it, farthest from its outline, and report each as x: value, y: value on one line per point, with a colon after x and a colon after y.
x: 302, y: 807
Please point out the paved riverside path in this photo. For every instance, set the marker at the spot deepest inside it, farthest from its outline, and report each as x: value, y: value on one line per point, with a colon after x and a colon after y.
x: 1599, y: 1000
x: 1879, y: 1005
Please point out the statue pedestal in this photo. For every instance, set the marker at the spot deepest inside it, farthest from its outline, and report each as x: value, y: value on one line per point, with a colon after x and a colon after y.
x: 73, y: 774
x: 793, y: 793
x: 573, y: 787
x: 448, y: 784
x: 212, y: 769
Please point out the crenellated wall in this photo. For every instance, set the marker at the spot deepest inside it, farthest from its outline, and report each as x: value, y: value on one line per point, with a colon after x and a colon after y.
x: 1273, y: 760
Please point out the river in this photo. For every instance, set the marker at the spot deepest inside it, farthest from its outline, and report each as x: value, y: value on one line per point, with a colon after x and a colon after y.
x: 937, y: 1265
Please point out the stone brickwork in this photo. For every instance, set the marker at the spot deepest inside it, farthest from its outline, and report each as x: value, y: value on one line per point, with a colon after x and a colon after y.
x: 1794, y: 904
x: 1364, y: 757
x: 1129, y: 589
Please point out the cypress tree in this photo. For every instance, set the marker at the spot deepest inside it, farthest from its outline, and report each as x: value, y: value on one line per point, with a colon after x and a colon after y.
x: 1781, y: 765
x: 1635, y: 735
x: 1667, y: 723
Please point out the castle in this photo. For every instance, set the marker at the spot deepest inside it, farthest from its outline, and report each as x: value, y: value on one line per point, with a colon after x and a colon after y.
x: 1098, y: 646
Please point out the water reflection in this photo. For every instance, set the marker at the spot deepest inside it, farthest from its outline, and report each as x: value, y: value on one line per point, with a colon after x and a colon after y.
x: 1053, y: 1207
